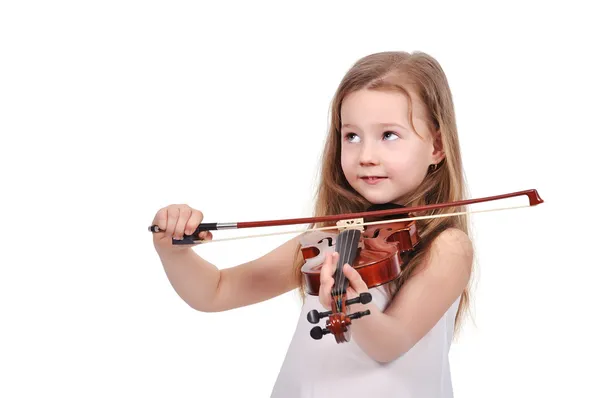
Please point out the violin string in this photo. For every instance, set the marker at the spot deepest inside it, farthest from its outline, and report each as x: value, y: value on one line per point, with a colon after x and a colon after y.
x: 345, y: 251
x: 342, y: 259
x: 338, y: 249
x: 360, y: 224
x: 349, y: 249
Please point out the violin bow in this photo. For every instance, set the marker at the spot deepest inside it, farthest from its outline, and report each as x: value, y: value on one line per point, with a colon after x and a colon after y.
x: 532, y: 195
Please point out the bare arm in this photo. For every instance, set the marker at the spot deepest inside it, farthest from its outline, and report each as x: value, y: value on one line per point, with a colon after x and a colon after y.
x: 421, y: 302
x: 206, y: 288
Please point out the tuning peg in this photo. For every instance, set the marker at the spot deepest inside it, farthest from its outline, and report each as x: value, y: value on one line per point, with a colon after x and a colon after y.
x: 317, y: 332
x: 364, y: 298
x: 314, y: 316
x: 357, y: 315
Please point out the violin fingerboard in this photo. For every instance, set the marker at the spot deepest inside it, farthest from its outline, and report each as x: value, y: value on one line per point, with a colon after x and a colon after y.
x: 346, y: 247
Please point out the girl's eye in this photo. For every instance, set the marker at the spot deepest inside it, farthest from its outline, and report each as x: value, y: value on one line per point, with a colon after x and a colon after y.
x: 351, y: 136
x: 390, y: 135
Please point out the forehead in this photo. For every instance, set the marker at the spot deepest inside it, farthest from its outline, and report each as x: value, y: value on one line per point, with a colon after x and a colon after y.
x: 379, y: 105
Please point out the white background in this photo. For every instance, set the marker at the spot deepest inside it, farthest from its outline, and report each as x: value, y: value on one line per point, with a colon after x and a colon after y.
x: 111, y: 110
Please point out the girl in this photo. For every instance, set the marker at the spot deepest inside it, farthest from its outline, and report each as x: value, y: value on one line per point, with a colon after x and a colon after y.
x: 392, y: 140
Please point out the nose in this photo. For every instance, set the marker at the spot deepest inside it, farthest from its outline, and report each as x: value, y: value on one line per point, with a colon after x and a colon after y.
x: 368, y: 155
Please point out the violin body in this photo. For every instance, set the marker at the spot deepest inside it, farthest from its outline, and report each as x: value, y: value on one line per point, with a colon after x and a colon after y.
x: 381, y: 253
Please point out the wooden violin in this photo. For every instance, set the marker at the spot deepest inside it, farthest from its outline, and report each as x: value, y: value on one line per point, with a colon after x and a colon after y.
x: 378, y: 252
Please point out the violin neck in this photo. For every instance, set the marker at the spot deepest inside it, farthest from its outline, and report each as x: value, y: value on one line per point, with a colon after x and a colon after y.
x: 347, y: 247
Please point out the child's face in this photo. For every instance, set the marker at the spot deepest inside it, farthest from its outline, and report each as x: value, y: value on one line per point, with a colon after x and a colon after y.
x: 377, y: 141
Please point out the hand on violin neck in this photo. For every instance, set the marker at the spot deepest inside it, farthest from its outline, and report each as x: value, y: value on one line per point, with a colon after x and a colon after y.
x: 357, y: 284
x: 328, y: 280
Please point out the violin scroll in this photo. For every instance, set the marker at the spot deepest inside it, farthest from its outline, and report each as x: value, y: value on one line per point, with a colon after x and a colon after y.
x: 314, y: 316
x: 338, y: 326
x: 338, y: 322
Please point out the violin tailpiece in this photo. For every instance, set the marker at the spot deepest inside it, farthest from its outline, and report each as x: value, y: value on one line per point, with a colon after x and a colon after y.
x: 351, y: 223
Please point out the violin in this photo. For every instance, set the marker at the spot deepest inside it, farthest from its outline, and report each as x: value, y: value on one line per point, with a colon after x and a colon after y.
x: 377, y: 252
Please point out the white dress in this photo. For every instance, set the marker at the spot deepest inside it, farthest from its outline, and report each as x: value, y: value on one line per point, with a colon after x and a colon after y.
x: 325, y: 369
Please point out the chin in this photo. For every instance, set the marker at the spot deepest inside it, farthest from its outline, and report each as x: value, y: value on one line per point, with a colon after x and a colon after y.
x: 377, y: 195
x: 378, y: 199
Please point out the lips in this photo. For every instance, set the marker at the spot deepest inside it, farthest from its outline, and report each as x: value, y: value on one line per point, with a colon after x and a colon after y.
x: 372, y: 179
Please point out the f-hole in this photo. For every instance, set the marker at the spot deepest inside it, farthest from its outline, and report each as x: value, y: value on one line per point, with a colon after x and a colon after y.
x: 329, y: 239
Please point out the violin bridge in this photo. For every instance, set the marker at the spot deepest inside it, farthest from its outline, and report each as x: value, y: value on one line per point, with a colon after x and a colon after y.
x: 351, y: 224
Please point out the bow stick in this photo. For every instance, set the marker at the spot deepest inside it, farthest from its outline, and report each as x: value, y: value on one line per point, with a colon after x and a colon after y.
x: 532, y: 195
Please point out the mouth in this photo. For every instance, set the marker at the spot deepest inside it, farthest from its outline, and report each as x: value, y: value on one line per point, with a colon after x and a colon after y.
x: 372, y: 179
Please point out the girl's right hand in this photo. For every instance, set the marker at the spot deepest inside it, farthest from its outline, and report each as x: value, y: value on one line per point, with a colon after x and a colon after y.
x: 176, y: 220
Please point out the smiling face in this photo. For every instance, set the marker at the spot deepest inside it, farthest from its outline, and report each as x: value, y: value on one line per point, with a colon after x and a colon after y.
x: 382, y: 157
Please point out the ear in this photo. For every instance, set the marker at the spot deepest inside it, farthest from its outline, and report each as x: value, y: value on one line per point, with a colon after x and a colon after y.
x: 438, y: 153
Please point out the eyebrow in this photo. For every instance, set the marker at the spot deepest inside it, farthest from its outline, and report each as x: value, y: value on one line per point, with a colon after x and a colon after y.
x: 380, y: 125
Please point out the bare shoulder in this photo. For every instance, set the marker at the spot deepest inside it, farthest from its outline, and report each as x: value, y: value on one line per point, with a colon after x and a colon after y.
x: 454, y: 247
x: 449, y: 259
x: 434, y: 286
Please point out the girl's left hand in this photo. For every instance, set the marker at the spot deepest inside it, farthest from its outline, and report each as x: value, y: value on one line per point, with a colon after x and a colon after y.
x: 356, y: 286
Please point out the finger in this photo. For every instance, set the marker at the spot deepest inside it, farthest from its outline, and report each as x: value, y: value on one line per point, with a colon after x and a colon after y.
x: 205, y: 235
x: 356, y: 281
x: 185, y: 212
x: 193, y: 222
x: 328, y: 268
x: 160, y: 219
x: 326, y: 280
x: 325, y: 294
x: 172, y: 217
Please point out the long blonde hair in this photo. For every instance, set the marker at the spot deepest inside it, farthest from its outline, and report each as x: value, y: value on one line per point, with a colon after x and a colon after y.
x: 417, y: 74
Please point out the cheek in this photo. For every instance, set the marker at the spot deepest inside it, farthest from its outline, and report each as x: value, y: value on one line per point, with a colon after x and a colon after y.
x: 350, y: 166
x: 406, y: 159
x: 347, y: 159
